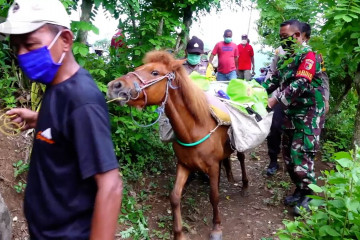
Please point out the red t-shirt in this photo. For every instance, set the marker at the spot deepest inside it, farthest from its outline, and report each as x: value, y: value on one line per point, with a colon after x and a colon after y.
x: 117, y: 40
x: 226, y: 54
x: 245, y: 54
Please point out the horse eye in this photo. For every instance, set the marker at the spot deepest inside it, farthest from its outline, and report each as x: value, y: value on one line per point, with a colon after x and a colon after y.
x: 154, y: 73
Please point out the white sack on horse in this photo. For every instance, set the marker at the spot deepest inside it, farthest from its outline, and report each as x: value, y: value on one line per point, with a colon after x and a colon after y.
x: 245, y: 131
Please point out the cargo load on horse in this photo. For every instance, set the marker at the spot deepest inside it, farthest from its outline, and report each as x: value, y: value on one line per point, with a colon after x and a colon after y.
x: 240, y: 104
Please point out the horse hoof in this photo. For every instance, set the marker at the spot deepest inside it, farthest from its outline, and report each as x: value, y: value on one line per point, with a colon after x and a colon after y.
x: 216, y: 235
x: 182, y: 236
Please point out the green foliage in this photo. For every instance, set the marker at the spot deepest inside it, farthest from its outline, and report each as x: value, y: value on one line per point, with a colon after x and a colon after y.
x: 134, y: 217
x: 336, y: 215
x: 339, y: 136
x: 164, y: 224
x: 12, y: 81
x: 5, y: 4
x: 20, y: 167
x: 20, y: 187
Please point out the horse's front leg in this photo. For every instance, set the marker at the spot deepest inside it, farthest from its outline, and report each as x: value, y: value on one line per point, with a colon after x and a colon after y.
x: 245, y: 181
x: 182, y: 174
x: 214, y: 174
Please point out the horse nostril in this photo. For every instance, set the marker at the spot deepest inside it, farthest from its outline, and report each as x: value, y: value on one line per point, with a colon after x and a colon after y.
x: 117, y: 85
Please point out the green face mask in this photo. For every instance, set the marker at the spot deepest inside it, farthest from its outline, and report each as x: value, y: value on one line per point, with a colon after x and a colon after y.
x: 193, y: 59
x: 228, y: 39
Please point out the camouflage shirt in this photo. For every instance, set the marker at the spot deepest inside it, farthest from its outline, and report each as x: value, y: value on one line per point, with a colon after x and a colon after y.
x: 300, y: 91
x: 200, y: 68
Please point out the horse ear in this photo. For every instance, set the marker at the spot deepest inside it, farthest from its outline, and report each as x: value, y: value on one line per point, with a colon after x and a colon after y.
x: 176, y: 64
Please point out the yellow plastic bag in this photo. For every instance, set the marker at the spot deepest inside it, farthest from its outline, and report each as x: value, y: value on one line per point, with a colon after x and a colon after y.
x: 210, y: 73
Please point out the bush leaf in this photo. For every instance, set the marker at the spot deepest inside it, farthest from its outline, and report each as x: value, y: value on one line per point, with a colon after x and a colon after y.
x: 315, y: 188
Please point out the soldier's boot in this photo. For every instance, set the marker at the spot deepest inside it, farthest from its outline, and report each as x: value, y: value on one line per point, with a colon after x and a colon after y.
x: 303, y: 202
x: 273, y: 166
x: 293, y: 199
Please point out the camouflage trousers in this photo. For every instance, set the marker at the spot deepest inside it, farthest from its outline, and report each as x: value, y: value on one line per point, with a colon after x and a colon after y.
x: 299, y: 151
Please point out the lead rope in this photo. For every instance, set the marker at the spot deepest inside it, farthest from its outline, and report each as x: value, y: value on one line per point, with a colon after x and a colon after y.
x: 8, y: 127
x: 197, y: 142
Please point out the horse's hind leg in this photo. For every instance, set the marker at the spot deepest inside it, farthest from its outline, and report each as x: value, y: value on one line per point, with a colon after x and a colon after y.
x: 241, y: 157
x: 214, y: 174
x: 182, y: 174
x: 227, y: 165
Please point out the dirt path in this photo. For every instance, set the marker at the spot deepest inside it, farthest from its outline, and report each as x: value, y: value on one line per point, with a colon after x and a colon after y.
x: 256, y: 216
x: 13, y: 149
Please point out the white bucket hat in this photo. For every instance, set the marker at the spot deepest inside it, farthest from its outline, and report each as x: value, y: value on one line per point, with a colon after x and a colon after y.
x: 26, y: 16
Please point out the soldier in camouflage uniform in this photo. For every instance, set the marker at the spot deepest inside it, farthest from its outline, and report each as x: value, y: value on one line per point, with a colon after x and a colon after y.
x: 302, y: 97
x: 274, y: 138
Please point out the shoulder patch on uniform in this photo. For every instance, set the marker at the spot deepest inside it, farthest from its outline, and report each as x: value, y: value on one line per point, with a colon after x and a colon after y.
x: 307, y: 67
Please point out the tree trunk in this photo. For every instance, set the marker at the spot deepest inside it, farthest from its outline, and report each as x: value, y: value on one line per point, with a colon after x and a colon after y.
x: 183, y: 38
x: 160, y: 29
x: 86, y: 8
x: 133, y: 23
x: 348, y: 85
x: 356, y: 138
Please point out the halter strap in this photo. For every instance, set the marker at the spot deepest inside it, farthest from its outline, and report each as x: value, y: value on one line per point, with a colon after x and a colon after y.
x: 170, y: 76
x: 161, y: 109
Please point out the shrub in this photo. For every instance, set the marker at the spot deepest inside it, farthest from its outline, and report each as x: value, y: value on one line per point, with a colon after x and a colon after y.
x: 338, y: 137
x: 336, y: 215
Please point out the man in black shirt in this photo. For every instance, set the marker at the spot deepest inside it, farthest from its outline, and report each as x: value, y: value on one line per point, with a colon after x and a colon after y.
x: 74, y: 189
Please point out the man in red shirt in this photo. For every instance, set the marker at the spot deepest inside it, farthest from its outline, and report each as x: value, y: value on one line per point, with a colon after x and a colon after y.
x: 227, y: 52
x: 117, y: 39
x: 246, y: 59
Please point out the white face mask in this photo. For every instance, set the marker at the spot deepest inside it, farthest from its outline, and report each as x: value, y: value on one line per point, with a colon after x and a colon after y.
x: 244, y: 41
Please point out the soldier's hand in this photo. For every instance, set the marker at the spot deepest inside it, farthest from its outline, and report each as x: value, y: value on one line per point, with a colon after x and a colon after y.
x: 272, y: 102
x: 327, y: 107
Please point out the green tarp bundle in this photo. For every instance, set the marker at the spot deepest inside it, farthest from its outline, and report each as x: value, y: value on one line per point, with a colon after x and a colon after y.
x: 245, y: 93
x: 248, y: 93
x: 200, y: 80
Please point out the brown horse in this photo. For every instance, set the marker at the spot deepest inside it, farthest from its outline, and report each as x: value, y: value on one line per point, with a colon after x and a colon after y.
x: 163, y: 81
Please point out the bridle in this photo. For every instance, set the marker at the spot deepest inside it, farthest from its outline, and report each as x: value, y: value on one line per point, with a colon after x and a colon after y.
x: 147, y: 83
x: 161, y: 109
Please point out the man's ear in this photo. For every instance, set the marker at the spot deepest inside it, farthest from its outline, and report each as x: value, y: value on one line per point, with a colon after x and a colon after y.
x: 67, y: 37
x: 176, y: 64
x: 298, y: 34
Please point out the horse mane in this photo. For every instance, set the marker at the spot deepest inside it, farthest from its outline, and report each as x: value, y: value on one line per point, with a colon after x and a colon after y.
x: 193, y: 97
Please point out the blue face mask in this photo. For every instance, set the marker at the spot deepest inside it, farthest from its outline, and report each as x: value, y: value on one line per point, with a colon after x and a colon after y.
x: 38, y: 64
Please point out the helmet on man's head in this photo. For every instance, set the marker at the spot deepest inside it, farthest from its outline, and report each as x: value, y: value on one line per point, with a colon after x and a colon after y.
x: 26, y: 16
x: 195, y: 46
